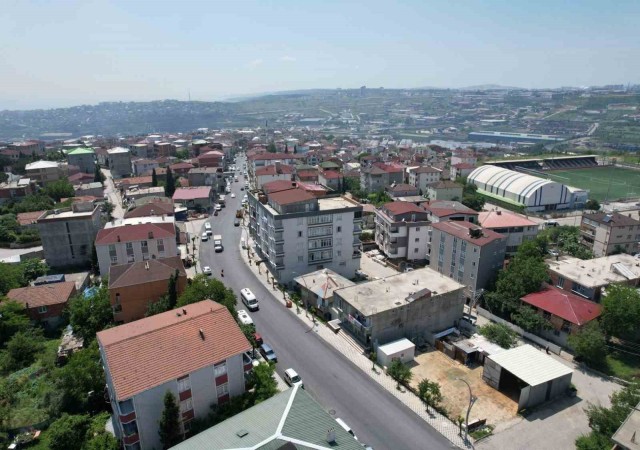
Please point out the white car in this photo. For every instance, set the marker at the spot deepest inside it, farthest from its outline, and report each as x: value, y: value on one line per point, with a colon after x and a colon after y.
x: 205, y: 237
x: 218, y: 207
x: 206, y: 270
x: 292, y: 378
x: 244, y: 318
x: 233, y: 195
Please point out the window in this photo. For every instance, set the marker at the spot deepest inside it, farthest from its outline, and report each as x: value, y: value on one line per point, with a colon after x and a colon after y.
x: 186, y: 405
x: 415, y: 250
x: 160, y: 244
x: 560, y: 283
x: 300, y: 258
x: 417, y: 239
x: 299, y: 233
x: 184, y: 384
x: 223, y: 389
x: 220, y: 369
x: 130, y: 255
x: 130, y: 428
x: 566, y: 326
x: 42, y: 309
x: 339, y: 229
x: 339, y: 252
x: 144, y: 245
x: 112, y: 254
x: 546, y: 315
x: 126, y: 407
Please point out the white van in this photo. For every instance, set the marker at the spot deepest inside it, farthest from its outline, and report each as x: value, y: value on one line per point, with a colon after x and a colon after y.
x: 346, y: 427
x: 207, y: 228
x: 249, y: 299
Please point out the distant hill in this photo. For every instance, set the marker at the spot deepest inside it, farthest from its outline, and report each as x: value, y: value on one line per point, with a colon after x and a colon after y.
x: 490, y: 87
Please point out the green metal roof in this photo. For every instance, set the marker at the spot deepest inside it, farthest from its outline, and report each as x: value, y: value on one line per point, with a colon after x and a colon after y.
x: 499, y: 198
x: 290, y: 416
x: 329, y: 165
x: 81, y: 151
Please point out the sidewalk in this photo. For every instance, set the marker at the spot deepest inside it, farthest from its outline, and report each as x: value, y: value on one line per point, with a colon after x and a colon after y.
x: 342, y: 344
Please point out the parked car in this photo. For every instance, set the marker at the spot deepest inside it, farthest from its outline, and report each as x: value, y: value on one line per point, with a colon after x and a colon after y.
x: 218, y: 207
x: 206, y: 270
x: 236, y: 223
x: 267, y: 352
x: 205, y: 236
x: 258, y: 338
x: 244, y: 317
x: 242, y: 188
x: 292, y: 378
x: 233, y: 195
x: 554, y: 253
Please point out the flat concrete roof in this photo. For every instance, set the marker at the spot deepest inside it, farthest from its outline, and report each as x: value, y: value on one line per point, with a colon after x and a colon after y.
x: 530, y: 365
x: 140, y: 220
x: 327, y: 203
x: 391, y: 292
x: 65, y: 214
x: 396, y: 346
x: 596, y: 272
x: 627, y: 435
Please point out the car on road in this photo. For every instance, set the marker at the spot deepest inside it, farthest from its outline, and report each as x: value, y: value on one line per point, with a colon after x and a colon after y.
x: 292, y: 378
x: 218, y: 207
x: 206, y: 270
x: 249, y: 300
x: 205, y: 236
x: 555, y: 253
x: 267, y: 352
x: 258, y: 338
x: 233, y: 195
x: 242, y: 188
x: 217, y: 247
x: 236, y: 223
x: 244, y: 317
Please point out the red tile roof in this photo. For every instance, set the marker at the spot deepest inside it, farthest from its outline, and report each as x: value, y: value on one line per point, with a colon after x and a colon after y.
x: 145, y: 271
x: 272, y: 156
x: 444, y: 208
x: 181, y: 165
x: 461, y: 229
x: 272, y: 170
x: 402, y: 187
x: 278, y: 185
x: 427, y: 169
x: 192, y: 193
x: 43, y: 295
x: 501, y: 219
x: 464, y: 166
x: 395, y: 208
x: 28, y: 218
x: 137, y: 232
x: 290, y: 196
x: 152, y: 351
x: 331, y: 175
x: 136, y: 180
x: 151, y: 209
x: 563, y: 304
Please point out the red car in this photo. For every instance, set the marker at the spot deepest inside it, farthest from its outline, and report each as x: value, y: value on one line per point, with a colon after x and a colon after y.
x: 258, y: 338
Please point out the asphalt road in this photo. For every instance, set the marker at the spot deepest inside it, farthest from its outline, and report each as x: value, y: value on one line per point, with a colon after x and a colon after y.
x: 375, y: 416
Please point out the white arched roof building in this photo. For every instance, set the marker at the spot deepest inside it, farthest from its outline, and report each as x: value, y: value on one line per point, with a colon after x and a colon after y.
x: 534, y: 193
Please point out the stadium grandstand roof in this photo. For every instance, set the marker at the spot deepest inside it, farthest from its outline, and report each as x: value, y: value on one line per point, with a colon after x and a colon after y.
x: 520, y: 185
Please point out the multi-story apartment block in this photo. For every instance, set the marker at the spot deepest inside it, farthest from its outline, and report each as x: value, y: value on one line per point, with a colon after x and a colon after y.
x: 67, y: 234
x: 377, y: 177
x: 144, y: 166
x: 402, y: 230
x: 196, y: 352
x: 423, y: 176
x: 444, y: 190
x: 119, y: 161
x: 466, y: 253
x: 84, y: 158
x: 269, y: 159
x: 462, y: 156
x: 297, y: 233
x: 272, y: 172
x: 138, y: 239
x: 16, y: 190
x: 44, y: 172
x: 516, y: 227
x: 461, y: 170
x: 28, y: 148
x: 607, y: 233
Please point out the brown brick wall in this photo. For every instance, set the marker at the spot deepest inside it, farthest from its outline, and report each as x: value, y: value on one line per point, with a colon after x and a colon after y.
x: 135, y: 299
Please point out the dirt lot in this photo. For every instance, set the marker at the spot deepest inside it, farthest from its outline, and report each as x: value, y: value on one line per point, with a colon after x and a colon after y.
x: 491, y: 404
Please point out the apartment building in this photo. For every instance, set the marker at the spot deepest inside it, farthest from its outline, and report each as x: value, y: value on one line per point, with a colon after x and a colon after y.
x: 119, y: 162
x: 67, y: 234
x: 196, y: 352
x: 402, y: 190
x: 466, y: 253
x: 213, y: 158
x: 134, y: 286
x: 444, y: 190
x: 144, y: 166
x: 16, y: 190
x: 272, y: 172
x: 296, y: 233
x: 137, y: 239
x: 402, y: 230
x: 607, y: 233
x: 268, y: 159
x: 84, y: 158
x: 44, y: 172
x: 377, y: 177
x: 516, y: 227
x: 423, y: 176
x: 443, y: 210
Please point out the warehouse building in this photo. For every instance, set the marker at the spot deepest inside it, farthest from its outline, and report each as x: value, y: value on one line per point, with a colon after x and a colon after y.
x: 525, y: 191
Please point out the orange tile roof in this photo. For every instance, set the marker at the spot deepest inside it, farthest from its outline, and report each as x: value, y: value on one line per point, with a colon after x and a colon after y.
x: 152, y: 351
x: 503, y: 219
x: 43, y: 295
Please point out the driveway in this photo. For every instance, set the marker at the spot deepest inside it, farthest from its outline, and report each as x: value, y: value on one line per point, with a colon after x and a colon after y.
x: 112, y: 193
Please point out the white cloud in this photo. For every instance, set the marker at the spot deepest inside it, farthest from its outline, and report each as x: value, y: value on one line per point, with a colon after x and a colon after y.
x: 255, y: 63
x: 287, y: 58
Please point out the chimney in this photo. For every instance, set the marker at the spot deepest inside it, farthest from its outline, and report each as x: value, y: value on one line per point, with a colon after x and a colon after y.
x: 331, y: 435
x: 146, y: 265
x: 498, y: 213
x: 201, y: 334
x: 184, y: 311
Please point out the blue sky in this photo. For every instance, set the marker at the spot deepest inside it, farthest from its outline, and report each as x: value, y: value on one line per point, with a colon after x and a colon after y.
x: 63, y: 53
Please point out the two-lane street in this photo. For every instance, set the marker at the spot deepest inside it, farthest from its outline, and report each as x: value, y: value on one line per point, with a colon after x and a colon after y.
x: 377, y: 418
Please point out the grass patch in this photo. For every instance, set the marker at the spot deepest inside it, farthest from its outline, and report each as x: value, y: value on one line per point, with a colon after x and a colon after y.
x: 623, y: 365
x: 617, y: 182
x: 483, y: 432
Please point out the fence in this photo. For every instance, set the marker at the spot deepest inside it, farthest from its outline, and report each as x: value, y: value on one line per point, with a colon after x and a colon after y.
x: 525, y: 334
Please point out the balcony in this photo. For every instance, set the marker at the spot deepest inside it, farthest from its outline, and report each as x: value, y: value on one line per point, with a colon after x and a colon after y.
x: 394, y: 230
x: 357, y: 228
x: 356, y: 240
x: 279, y: 237
x: 279, y: 250
x: 356, y: 254
x: 131, y: 439
x: 278, y: 225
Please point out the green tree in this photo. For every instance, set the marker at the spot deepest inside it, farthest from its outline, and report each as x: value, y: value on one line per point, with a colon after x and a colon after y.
x: 286, y: 148
x: 529, y: 320
x: 172, y: 290
x: 203, y: 287
x: 33, y: 268
x: 470, y: 197
x: 107, y: 208
x: 98, y: 176
x: 11, y: 277
x: 429, y: 392
x: 295, y: 149
x: 95, y: 267
x: 157, y: 307
x: 621, y: 311
x: 22, y: 349
x: 264, y: 382
x: 589, y: 344
x: 59, y: 189
x: 271, y: 148
x: 594, y: 441
x: 101, y: 441
x: 169, y: 426
x: 68, y: 432
x: 90, y: 315
x: 170, y: 184
x: 154, y: 178
x: 592, y: 204
x: 499, y: 333
x: 399, y: 372
x: 14, y: 320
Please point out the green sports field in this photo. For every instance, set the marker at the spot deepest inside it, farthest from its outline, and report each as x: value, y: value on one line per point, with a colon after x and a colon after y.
x: 620, y: 183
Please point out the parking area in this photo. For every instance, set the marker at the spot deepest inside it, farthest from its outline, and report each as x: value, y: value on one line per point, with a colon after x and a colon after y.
x: 491, y: 405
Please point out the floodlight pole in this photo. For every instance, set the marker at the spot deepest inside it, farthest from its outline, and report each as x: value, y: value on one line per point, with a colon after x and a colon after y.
x: 472, y: 400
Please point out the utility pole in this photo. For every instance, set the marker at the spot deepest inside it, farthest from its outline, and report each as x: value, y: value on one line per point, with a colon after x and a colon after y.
x: 472, y: 400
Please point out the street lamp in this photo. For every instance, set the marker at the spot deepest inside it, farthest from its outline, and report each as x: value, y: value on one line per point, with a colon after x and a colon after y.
x: 472, y: 400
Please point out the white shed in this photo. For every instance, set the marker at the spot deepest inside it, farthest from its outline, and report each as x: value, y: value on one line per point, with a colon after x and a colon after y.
x: 402, y: 349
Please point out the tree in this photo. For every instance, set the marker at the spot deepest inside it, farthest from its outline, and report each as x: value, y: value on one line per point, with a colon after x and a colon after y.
x: 90, y: 315
x: 399, y: 372
x: 295, y: 149
x: 265, y: 385
x: 593, y: 441
x: 107, y: 208
x: 529, y: 320
x: 159, y: 306
x: 286, y: 148
x: 98, y: 176
x: 33, y: 268
x: 203, y: 287
x: 68, y: 432
x: 429, y: 392
x: 592, y: 204
x: 170, y: 184
x: 94, y: 259
x: 172, y: 290
x: 22, y: 349
x: 59, y: 189
x: 154, y: 178
x: 169, y: 426
x: 499, y: 333
x: 621, y: 311
x: 271, y: 148
x: 470, y: 197
x: 589, y: 344
x: 14, y: 320
x: 11, y: 277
